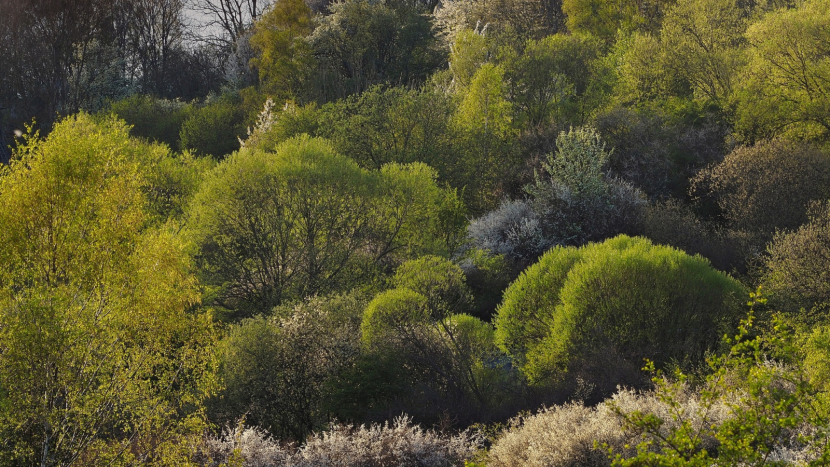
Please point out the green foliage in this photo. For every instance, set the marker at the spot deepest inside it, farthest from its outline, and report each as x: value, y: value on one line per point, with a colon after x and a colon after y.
x: 284, y: 58
x: 368, y: 42
x: 438, y: 348
x: 603, y: 19
x: 484, y: 122
x: 613, y: 302
x: 437, y: 279
x: 213, y: 130
x: 487, y: 275
x: 787, y: 77
x: 550, y: 79
x: 470, y: 50
x: 796, y: 267
x: 578, y: 161
x: 103, y: 359
x: 704, y: 45
x: 305, y: 220
x: 281, y: 372
x: 172, y: 180
x: 579, y: 203
x: 391, y: 125
x: 155, y: 119
x: 776, y: 406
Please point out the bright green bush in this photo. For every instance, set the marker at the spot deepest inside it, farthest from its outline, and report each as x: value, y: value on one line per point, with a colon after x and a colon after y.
x: 604, y: 306
x: 439, y: 280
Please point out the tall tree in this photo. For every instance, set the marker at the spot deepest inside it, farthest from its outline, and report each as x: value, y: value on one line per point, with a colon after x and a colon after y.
x: 101, y: 359
x: 228, y: 20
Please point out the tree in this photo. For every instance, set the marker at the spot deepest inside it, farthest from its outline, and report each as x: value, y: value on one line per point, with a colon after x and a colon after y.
x: 232, y: 17
x: 766, y: 187
x: 392, y: 125
x: 305, y: 220
x: 787, y: 89
x: 214, y: 129
x: 704, y: 41
x: 598, y: 310
x: 603, y: 19
x: 367, y: 42
x: 579, y: 202
x: 284, y: 56
x: 156, y: 33
x: 102, y: 357
x: 549, y: 80
x: 484, y: 120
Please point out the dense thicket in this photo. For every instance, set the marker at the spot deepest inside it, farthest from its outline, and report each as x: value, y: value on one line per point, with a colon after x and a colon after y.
x: 277, y: 214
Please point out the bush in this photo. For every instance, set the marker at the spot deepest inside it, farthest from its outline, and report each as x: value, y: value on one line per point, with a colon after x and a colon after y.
x: 513, y: 230
x: 487, y: 276
x: 447, y: 360
x: 674, y: 224
x: 213, y: 130
x: 579, y: 202
x: 400, y: 443
x: 796, y: 266
x: 573, y: 435
x: 766, y: 187
x: 656, y: 153
x: 279, y: 371
x: 597, y: 311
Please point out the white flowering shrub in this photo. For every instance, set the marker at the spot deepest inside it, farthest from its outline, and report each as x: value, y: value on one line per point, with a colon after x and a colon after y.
x: 574, y: 435
x: 399, y: 443
x: 514, y: 230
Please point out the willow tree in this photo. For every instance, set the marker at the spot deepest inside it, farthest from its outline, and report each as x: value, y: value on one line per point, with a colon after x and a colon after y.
x: 101, y: 357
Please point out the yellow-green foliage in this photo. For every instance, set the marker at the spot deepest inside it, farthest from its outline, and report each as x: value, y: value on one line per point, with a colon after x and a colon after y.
x: 102, y: 358
x: 305, y: 220
x: 787, y: 80
x: 284, y: 57
x: 624, y: 298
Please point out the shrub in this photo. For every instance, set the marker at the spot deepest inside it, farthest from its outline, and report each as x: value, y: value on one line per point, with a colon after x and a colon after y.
x: 767, y: 186
x: 437, y: 279
x: 675, y: 224
x: 579, y: 202
x: 213, y: 130
x: 573, y: 435
x: 513, y: 230
x: 400, y: 443
x: 776, y: 401
x: 487, y: 276
x: 447, y: 360
x: 597, y: 311
x: 656, y: 153
x: 278, y: 371
x: 796, y: 266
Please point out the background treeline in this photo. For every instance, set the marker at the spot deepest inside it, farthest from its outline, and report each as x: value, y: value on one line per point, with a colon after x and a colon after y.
x: 234, y: 225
